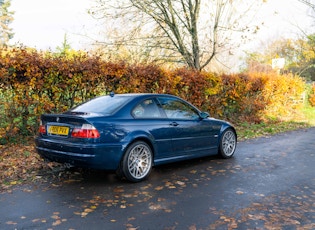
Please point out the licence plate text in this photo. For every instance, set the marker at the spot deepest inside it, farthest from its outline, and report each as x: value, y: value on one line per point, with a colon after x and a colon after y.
x: 58, y: 130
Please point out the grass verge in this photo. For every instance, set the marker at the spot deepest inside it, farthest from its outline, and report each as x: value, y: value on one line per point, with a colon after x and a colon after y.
x: 305, y: 120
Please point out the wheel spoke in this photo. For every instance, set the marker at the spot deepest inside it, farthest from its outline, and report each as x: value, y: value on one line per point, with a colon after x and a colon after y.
x: 229, y: 143
x: 139, y: 161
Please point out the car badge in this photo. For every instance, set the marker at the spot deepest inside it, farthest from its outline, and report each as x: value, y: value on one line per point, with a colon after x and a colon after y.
x: 57, y: 119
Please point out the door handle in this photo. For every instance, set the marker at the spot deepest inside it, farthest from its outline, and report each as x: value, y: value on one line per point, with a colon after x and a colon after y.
x: 174, y: 123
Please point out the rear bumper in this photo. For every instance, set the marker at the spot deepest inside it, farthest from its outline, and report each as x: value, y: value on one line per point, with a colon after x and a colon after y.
x: 96, y: 156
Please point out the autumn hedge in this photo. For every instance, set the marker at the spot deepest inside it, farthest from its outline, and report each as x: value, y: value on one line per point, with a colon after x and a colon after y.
x: 33, y: 82
x: 312, y: 96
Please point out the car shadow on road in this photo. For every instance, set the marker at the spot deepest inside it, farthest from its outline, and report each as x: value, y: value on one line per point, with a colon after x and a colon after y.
x: 61, y: 175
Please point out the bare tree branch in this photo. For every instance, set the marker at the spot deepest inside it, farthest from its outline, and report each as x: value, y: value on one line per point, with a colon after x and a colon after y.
x: 309, y: 3
x: 197, y: 30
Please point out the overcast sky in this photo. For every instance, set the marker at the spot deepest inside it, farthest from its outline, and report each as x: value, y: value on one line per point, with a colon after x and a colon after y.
x: 43, y: 23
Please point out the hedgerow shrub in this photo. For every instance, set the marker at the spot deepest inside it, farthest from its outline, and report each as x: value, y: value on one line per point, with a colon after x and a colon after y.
x: 312, y: 96
x: 283, y: 95
x: 32, y: 83
x: 238, y: 97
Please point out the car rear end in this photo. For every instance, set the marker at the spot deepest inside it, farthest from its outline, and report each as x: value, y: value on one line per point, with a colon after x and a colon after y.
x: 76, y: 140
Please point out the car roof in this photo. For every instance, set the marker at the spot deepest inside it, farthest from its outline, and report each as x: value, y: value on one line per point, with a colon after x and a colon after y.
x: 132, y: 100
x: 139, y: 94
x: 142, y: 95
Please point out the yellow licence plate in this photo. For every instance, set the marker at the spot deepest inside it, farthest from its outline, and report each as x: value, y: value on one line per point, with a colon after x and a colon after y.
x: 58, y: 130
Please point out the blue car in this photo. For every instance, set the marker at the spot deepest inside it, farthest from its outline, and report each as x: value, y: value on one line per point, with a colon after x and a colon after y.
x: 131, y: 133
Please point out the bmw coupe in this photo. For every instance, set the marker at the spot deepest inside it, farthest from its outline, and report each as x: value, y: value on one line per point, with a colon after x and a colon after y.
x: 131, y: 133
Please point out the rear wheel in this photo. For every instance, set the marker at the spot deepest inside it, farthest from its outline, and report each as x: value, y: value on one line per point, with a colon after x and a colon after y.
x: 227, y: 143
x: 137, y: 162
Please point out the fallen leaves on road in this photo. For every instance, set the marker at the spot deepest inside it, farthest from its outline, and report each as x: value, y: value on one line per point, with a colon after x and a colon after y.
x: 239, y: 192
x: 18, y: 163
x: 282, y: 211
x: 11, y: 223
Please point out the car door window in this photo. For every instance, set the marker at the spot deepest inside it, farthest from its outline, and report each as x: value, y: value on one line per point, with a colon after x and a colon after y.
x: 177, y: 109
x: 146, y: 109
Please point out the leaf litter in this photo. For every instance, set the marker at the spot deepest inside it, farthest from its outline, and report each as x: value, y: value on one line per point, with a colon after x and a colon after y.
x: 19, y: 163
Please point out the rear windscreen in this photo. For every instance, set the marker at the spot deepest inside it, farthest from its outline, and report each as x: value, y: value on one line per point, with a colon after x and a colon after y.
x: 104, y: 104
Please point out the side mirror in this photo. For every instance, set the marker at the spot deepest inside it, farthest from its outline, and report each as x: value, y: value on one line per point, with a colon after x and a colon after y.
x: 204, y: 115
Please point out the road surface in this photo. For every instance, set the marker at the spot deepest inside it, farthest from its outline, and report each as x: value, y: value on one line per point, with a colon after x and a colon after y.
x: 269, y: 184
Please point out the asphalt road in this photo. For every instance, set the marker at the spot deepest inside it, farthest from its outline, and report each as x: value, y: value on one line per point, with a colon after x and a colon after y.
x: 269, y: 184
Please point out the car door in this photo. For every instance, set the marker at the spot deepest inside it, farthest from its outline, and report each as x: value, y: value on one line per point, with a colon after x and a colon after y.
x: 191, y: 134
x: 150, y: 117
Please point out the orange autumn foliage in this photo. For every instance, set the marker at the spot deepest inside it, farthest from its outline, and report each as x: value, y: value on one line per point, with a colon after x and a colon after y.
x: 32, y: 83
x: 312, y: 96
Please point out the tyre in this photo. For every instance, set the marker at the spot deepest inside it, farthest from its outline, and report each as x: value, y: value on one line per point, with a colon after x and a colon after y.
x: 137, y: 162
x: 227, y: 143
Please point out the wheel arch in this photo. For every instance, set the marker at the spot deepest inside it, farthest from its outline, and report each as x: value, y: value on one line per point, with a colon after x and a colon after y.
x: 225, y: 127
x: 124, y: 171
x: 143, y: 137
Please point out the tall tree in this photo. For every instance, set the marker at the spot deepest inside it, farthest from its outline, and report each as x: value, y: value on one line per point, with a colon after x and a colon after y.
x: 299, y: 55
x: 193, y: 32
x: 6, y: 17
x: 310, y: 3
x: 65, y: 47
x: 311, y: 6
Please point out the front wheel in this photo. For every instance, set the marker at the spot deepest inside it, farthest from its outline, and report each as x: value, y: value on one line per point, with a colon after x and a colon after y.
x: 137, y: 162
x: 227, y: 143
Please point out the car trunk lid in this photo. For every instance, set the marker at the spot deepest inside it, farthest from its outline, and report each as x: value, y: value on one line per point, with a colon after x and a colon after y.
x: 67, y: 126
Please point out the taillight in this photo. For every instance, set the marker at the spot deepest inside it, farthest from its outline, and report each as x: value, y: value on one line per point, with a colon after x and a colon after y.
x: 86, y: 131
x: 42, y: 128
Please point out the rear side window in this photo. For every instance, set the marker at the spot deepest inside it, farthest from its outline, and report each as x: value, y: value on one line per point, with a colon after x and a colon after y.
x: 146, y: 109
x: 105, y: 104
